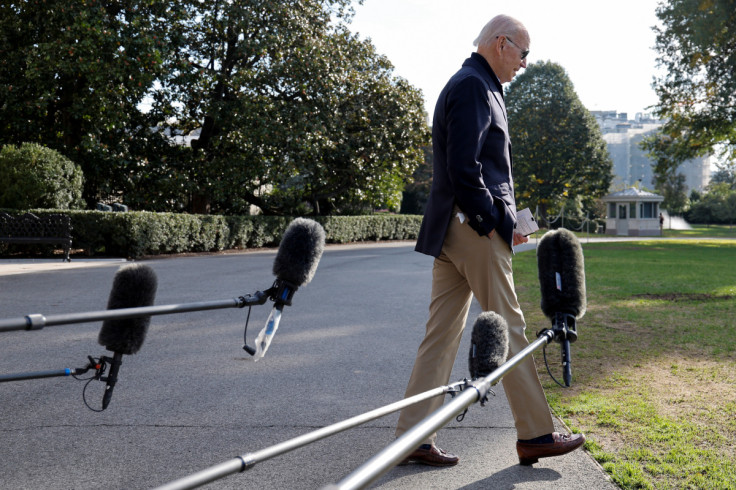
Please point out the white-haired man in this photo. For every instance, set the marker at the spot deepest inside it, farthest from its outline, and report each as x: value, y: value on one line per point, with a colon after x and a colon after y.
x: 469, y: 227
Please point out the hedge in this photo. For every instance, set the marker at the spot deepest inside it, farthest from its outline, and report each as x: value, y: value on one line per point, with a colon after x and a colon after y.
x: 135, y: 234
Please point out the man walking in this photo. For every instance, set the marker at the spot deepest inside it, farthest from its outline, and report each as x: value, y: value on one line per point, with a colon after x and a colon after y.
x: 468, y: 227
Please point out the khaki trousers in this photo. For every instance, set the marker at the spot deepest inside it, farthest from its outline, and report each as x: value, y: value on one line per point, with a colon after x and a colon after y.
x: 474, y: 265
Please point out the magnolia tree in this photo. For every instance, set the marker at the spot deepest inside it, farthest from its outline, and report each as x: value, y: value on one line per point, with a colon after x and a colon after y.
x: 212, y: 106
x: 558, y: 150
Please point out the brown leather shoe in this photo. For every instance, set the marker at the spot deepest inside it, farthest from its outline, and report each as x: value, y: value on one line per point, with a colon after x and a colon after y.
x: 432, y: 456
x: 529, y: 452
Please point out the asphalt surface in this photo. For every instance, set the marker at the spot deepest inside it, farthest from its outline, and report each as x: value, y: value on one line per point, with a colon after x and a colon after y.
x: 192, y: 398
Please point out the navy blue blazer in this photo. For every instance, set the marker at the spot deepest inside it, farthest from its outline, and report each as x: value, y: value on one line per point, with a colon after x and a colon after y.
x: 472, y: 158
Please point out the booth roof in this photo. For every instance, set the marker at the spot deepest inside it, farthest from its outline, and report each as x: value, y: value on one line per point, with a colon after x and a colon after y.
x: 633, y: 194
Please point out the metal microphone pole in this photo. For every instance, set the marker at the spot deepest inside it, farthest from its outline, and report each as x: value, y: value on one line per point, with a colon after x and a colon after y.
x: 44, y: 374
x: 392, y: 454
x: 397, y: 451
x: 247, y: 461
x: 37, y: 321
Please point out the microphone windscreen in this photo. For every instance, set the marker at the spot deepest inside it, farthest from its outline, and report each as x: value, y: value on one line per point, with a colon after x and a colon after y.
x: 561, y: 273
x: 489, y: 344
x: 299, y: 252
x: 134, y: 286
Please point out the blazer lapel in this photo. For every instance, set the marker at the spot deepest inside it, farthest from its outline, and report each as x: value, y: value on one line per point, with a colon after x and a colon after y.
x: 499, y: 99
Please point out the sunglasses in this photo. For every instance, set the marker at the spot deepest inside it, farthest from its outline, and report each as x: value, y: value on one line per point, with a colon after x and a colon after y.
x: 524, y: 53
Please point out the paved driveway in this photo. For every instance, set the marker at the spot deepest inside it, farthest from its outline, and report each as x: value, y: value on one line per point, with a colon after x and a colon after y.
x: 192, y: 398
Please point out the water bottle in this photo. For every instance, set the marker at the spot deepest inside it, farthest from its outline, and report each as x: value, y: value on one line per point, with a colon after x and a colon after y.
x: 263, y: 340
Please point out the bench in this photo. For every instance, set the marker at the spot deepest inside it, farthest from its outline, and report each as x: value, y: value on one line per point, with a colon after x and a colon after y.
x: 55, y: 229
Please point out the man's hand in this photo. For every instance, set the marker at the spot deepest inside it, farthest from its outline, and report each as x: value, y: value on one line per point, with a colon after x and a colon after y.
x: 519, y: 239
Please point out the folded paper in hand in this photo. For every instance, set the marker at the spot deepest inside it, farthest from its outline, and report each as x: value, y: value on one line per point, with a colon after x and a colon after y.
x: 525, y: 222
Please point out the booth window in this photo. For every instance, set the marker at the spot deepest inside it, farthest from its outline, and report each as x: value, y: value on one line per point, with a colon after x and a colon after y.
x: 612, y: 210
x: 648, y: 209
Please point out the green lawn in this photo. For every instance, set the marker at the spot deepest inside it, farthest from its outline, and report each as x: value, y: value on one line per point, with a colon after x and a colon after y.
x: 697, y: 231
x: 702, y: 231
x: 654, y: 369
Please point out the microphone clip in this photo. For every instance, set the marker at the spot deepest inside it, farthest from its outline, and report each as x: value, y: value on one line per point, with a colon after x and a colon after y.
x: 456, y: 388
x: 282, y: 292
x: 563, y: 327
x: 102, y: 367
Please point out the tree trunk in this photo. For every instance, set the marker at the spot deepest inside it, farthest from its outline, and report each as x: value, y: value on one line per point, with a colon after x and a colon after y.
x: 199, y: 204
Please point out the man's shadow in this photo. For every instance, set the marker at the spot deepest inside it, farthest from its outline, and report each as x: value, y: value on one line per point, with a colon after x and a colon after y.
x: 506, y: 479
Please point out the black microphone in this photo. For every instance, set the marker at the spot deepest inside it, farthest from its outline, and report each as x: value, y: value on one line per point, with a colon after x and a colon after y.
x: 489, y: 344
x: 296, y: 261
x: 562, y: 284
x: 299, y: 252
x: 133, y: 286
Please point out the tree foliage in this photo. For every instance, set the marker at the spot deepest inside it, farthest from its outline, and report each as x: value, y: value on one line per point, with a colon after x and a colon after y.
x: 72, y: 74
x: 559, y: 152
x: 672, y: 187
x: 33, y: 176
x: 667, y: 156
x: 290, y: 111
x: 416, y: 192
x: 285, y: 109
x: 725, y: 174
x: 697, y: 91
x: 718, y: 205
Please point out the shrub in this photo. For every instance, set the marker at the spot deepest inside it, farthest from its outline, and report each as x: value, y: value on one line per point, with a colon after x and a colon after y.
x: 33, y: 176
x: 141, y: 233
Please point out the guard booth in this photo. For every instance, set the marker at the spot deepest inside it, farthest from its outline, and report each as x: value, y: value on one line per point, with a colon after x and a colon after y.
x: 633, y: 212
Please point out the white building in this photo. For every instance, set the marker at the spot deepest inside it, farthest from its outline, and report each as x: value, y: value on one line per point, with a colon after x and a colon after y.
x: 631, y: 167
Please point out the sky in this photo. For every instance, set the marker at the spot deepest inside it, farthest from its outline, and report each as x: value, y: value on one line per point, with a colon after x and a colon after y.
x: 606, y: 47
